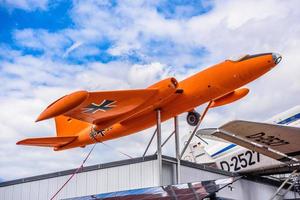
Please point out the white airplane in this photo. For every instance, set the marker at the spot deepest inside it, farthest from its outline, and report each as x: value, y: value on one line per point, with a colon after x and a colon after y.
x: 265, y: 145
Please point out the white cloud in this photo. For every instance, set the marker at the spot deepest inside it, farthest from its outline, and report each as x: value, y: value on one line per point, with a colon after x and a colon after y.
x: 31, y: 82
x: 72, y: 48
x: 41, y: 39
x: 28, y: 5
x: 146, y: 75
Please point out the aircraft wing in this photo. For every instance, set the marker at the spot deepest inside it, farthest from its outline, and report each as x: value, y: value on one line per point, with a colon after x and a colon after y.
x: 207, y: 133
x: 96, y: 107
x: 276, y: 141
x: 105, y: 108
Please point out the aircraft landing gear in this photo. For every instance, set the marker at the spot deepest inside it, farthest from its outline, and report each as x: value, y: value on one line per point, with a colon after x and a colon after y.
x: 193, y: 118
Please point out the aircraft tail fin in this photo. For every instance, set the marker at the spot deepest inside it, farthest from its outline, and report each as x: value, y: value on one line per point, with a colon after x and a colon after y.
x: 67, y: 130
x: 198, y: 154
x: 48, y: 141
x: 67, y: 126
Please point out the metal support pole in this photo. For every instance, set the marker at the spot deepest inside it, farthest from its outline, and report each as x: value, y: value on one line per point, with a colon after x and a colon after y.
x: 163, y: 144
x: 152, y: 137
x: 195, y: 129
x: 159, y: 153
x: 201, y: 139
x: 177, y: 148
x: 277, y: 193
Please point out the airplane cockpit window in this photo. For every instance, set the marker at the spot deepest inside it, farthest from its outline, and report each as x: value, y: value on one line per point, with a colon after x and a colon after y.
x: 237, y: 58
x: 247, y: 56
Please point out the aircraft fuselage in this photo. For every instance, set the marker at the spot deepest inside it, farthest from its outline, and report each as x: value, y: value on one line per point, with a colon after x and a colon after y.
x: 198, y: 89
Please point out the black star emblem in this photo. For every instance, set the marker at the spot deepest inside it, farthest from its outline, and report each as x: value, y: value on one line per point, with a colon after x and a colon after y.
x: 104, y: 106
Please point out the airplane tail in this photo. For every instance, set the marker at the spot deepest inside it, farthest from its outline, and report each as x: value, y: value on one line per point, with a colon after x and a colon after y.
x: 55, y: 142
x: 198, y: 154
x: 67, y: 130
x: 67, y: 126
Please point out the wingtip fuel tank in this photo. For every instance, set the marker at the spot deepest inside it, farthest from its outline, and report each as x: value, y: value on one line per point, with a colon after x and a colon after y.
x: 63, y: 105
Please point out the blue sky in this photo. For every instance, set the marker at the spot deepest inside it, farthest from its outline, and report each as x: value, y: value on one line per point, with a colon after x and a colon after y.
x: 58, y: 18
x: 38, y: 19
x: 50, y: 48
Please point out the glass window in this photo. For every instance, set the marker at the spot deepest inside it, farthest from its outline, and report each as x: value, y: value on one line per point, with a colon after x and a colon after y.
x: 237, y: 58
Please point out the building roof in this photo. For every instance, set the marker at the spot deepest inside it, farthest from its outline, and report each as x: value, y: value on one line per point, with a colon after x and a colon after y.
x: 166, y: 160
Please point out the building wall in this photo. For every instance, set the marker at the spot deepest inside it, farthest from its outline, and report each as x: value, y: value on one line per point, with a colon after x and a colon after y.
x: 241, y: 189
x: 249, y: 190
x: 132, y: 176
x: 189, y: 175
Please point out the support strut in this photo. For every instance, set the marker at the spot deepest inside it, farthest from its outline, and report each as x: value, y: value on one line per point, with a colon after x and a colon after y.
x: 179, y: 155
x: 159, y: 153
x: 152, y: 137
x: 195, y: 129
x: 166, y: 140
x: 177, y: 149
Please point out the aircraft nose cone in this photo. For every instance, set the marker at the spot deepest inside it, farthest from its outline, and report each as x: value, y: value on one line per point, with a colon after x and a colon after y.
x: 276, y: 58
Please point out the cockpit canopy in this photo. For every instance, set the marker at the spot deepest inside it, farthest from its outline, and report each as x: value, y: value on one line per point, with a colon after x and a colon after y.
x: 247, y: 56
x: 237, y: 58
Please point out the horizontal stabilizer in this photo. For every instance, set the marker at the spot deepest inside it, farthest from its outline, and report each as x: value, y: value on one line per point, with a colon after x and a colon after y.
x: 47, y: 141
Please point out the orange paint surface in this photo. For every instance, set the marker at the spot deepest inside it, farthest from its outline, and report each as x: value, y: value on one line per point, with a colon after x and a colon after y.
x: 99, y: 116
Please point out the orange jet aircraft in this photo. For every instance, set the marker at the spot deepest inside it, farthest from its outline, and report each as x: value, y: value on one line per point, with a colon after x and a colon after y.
x: 83, y: 118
